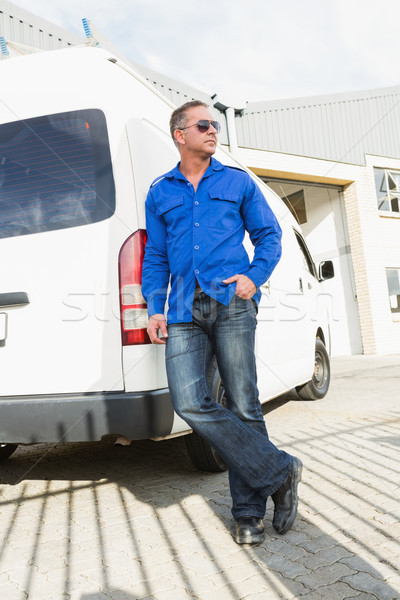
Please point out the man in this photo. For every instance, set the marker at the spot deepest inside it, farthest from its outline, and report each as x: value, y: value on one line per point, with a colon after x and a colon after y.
x: 196, y: 218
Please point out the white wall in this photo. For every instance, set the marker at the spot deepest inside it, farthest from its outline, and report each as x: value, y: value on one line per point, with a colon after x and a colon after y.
x: 326, y: 236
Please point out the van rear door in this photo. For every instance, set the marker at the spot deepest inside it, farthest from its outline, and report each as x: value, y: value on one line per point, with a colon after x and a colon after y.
x: 58, y: 272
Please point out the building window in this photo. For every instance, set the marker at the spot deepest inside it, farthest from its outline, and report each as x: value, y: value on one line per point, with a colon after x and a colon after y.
x: 387, y: 185
x: 393, y: 281
x: 297, y: 206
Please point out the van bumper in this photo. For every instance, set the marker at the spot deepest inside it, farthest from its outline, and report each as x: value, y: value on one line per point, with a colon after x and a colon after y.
x: 85, y: 417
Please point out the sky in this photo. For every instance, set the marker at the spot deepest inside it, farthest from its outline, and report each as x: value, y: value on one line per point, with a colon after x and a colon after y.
x: 248, y: 50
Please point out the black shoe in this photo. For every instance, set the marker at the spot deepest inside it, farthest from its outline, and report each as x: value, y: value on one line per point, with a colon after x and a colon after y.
x: 286, y: 499
x: 249, y: 530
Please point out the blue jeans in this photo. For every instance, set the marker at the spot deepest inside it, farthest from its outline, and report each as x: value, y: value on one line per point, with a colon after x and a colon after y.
x: 238, y: 433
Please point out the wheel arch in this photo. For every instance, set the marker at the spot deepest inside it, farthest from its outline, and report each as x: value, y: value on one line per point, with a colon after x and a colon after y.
x: 325, y: 338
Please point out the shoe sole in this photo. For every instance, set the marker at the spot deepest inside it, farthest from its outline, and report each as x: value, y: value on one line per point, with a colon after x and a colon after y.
x: 249, y: 539
x: 298, y: 471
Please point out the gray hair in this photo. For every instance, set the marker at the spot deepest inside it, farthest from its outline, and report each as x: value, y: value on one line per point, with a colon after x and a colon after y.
x: 178, y: 118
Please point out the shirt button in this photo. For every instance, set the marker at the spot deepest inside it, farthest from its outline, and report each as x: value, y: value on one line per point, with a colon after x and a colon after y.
x: 196, y: 224
x: 196, y: 247
x: 189, y: 184
x: 197, y: 271
x: 196, y: 202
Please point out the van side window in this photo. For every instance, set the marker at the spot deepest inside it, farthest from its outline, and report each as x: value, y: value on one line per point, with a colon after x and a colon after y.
x: 55, y: 173
x: 307, y: 260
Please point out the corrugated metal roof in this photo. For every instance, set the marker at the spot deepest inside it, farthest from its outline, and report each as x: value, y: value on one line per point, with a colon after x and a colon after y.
x: 340, y: 127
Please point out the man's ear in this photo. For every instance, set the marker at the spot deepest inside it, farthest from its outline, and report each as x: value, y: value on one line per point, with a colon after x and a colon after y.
x: 179, y: 136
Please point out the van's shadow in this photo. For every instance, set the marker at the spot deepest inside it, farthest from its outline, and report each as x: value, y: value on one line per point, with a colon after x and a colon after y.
x: 98, y: 460
x: 160, y: 476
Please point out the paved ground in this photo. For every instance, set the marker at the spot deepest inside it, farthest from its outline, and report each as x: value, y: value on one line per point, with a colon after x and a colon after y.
x: 93, y: 522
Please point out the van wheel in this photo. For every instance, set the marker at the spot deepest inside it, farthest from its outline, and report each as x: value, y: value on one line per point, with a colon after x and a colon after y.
x: 202, y: 455
x: 6, y: 450
x: 318, y: 386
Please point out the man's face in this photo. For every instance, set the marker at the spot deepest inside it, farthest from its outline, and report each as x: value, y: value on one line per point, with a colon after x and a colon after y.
x: 191, y: 139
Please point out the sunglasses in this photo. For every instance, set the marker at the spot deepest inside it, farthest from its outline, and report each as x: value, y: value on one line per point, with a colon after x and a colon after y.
x: 203, y: 125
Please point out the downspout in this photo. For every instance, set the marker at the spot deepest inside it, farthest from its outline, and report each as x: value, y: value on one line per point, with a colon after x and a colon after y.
x: 230, y: 111
x: 231, y: 128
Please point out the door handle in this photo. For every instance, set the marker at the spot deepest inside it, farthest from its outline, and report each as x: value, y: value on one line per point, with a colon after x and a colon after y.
x: 3, y: 329
x: 10, y: 299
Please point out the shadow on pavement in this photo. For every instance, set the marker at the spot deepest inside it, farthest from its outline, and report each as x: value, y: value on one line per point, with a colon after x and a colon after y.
x: 142, y: 518
x: 114, y: 593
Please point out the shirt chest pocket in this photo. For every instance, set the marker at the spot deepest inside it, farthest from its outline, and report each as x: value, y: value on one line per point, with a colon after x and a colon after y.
x: 225, y: 210
x: 173, y: 213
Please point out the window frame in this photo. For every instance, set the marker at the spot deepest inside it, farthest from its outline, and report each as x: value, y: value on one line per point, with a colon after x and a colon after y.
x: 395, y: 312
x: 311, y: 268
x: 387, y: 198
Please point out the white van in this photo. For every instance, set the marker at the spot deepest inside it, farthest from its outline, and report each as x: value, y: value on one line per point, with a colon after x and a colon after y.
x: 81, y: 139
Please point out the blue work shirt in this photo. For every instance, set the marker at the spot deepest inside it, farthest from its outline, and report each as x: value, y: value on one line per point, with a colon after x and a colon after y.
x: 199, y: 235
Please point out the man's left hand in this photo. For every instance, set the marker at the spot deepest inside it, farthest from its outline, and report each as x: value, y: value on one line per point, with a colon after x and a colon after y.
x: 245, y: 288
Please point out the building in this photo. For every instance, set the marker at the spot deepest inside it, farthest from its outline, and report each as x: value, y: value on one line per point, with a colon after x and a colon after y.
x: 335, y: 160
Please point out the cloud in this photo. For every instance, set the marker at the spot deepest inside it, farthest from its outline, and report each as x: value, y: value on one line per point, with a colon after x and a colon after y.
x: 259, y: 48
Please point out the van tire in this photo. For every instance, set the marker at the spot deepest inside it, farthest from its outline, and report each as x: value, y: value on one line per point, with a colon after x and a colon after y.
x: 6, y: 450
x: 318, y: 386
x: 202, y: 455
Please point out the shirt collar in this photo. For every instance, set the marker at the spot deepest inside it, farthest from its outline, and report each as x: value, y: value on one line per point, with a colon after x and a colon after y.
x: 215, y: 165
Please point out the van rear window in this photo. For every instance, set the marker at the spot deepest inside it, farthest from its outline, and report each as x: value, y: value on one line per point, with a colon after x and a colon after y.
x: 55, y: 172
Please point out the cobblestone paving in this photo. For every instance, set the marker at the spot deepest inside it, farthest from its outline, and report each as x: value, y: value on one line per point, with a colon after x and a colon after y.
x: 94, y: 522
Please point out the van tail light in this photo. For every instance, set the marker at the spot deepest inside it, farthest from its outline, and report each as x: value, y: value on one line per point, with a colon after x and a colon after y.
x: 132, y: 304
